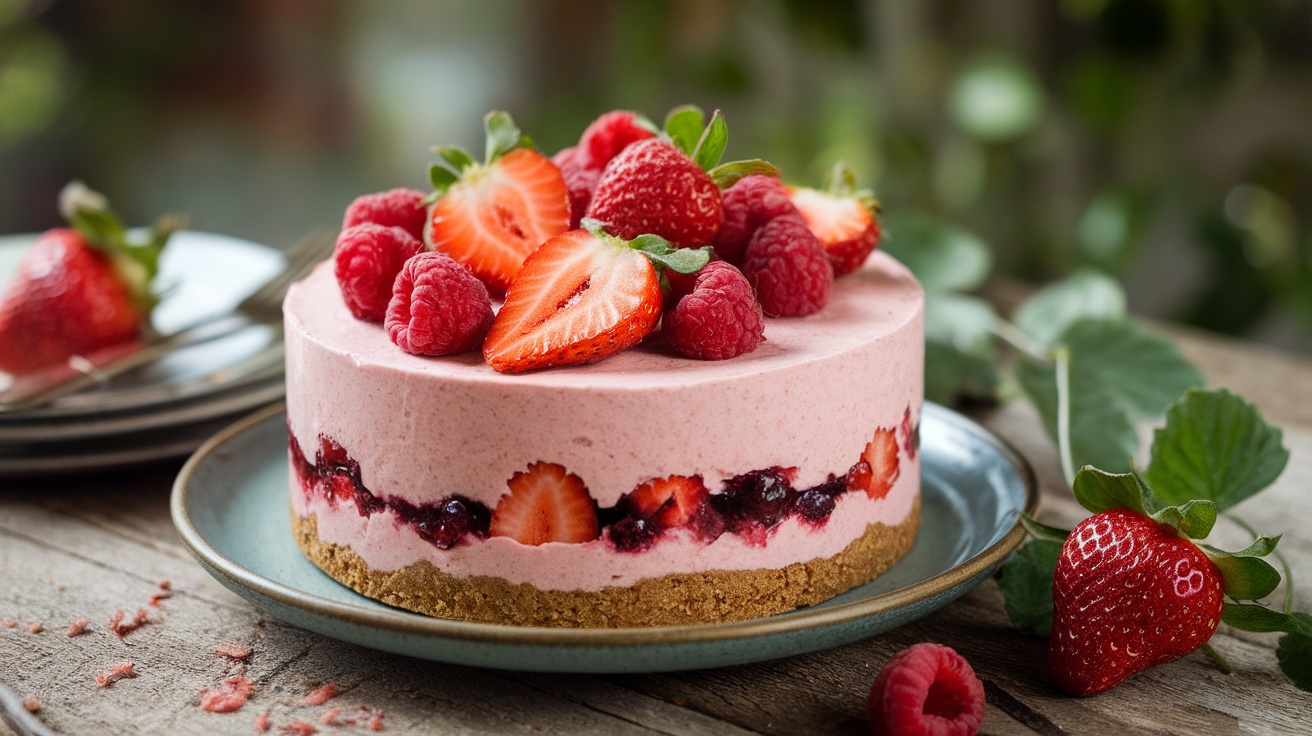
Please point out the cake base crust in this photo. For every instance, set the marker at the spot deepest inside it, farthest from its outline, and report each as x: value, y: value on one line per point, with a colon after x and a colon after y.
x: 675, y: 599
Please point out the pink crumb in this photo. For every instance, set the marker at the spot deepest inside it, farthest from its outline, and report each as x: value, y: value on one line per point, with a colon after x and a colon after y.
x: 121, y: 628
x: 36, y: 627
x: 235, y: 652
x: 300, y: 728
x: 262, y: 722
x: 31, y: 704
x: 78, y: 627
x: 326, y: 692
x: 120, y: 671
x: 8, y: 623
x: 226, y: 698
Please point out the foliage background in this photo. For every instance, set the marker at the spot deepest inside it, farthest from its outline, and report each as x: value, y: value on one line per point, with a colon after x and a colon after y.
x: 1167, y: 142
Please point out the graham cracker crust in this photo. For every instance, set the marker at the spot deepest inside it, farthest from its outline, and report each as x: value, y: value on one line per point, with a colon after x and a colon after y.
x: 672, y: 600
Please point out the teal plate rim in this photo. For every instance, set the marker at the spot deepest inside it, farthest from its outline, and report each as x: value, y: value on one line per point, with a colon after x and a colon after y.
x: 375, y: 625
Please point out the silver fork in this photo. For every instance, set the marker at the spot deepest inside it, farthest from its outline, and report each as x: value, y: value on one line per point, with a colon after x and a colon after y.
x: 263, y: 306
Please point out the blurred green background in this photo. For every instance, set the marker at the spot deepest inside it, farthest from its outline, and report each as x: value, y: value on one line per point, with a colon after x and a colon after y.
x: 1168, y: 142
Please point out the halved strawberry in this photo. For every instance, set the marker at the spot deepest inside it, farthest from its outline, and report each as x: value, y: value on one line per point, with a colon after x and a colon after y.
x: 490, y: 216
x: 580, y: 297
x: 881, y: 457
x: 669, y: 502
x: 545, y: 504
x: 844, y: 219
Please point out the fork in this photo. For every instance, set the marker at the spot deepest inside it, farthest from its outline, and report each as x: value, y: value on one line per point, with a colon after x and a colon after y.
x: 262, y: 307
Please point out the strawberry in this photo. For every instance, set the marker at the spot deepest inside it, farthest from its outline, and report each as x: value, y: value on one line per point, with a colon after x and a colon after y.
x: 580, y: 297
x: 79, y: 290
x: 877, y: 469
x: 490, y: 216
x: 545, y: 504
x: 611, y: 133
x: 843, y: 218
x: 1129, y: 593
x: 669, y: 502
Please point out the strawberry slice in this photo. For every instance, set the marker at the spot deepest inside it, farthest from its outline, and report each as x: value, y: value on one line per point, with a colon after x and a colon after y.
x: 669, y: 502
x: 583, y: 296
x: 490, y: 216
x: 545, y: 504
x: 880, y: 457
x: 844, y: 219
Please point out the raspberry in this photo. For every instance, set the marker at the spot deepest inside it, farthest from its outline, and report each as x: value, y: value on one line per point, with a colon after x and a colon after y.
x: 926, y: 689
x: 579, y: 179
x: 403, y: 208
x: 720, y: 319
x: 438, y: 307
x: 747, y: 205
x: 367, y: 259
x: 608, y: 135
x: 788, y: 267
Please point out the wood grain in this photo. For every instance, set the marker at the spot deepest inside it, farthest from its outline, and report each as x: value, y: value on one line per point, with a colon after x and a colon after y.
x: 89, y: 546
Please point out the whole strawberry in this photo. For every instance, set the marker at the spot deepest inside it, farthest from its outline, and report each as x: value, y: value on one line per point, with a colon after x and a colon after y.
x: 611, y: 133
x: 78, y: 290
x: 1129, y: 593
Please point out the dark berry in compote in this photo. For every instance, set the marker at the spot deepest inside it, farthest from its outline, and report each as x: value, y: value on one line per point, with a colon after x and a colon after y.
x: 446, y: 522
x: 760, y: 497
x: 815, y: 505
x: 632, y: 534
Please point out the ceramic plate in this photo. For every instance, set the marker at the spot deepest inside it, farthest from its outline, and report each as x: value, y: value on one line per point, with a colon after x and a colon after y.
x: 230, y: 506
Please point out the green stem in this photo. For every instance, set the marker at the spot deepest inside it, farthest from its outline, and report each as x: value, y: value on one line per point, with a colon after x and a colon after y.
x: 1284, y: 563
x: 1060, y: 357
x: 1216, y: 657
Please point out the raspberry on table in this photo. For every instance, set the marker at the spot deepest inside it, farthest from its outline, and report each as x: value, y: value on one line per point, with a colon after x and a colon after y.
x: 718, y: 319
x: 367, y: 259
x: 926, y: 689
x: 403, y: 208
x: 751, y: 202
x: 438, y: 307
x: 787, y: 266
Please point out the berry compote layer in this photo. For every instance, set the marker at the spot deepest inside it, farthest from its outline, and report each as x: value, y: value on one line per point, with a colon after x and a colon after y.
x: 720, y: 489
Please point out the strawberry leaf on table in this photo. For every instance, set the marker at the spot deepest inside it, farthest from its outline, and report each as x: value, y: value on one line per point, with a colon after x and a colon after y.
x: 1026, y: 584
x: 1294, y: 653
x: 1215, y: 446
x: 1097, y: 490
x: 1084, y: 294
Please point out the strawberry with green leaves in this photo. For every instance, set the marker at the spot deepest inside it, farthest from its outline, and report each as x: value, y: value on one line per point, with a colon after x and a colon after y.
x: 490, y: 216
x: 583, y: 296
x: 80, y: 289
x: 843, y: 217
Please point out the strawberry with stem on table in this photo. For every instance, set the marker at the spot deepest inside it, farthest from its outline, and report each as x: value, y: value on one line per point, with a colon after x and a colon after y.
x: 80, y: 289
x: 489, y: 216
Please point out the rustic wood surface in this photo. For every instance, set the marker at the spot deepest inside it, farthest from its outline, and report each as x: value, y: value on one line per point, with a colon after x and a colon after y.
x: 86, y: 547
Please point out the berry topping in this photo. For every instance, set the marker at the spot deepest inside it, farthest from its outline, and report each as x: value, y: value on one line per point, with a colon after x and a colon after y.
x: 909, y: 434
x: 490, y: 216
x: 633, y: 534
x: 545, y: 504
x: 446, y: 522
x: 814, y: 505
x: 788, y: 268
x: 877, y: 469
x: 580, y: 180
x: 844, y: 218
x: 653, y: 187
x: 1129, y: 593
x: 367, y: 259
x: 403, y: 208
x: 754, y: 500
x: 437, y: 307
x: 611, y: 133
x: 719, y: 319
x: 747, y: 205
x: 926, y: 689
x: 582, y: 296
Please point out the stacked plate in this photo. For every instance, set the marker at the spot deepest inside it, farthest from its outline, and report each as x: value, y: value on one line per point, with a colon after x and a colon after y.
x: 166, y: 409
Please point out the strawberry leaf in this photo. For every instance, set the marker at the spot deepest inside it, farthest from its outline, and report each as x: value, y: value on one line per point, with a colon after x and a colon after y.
x: 1246, y: 578
x: 1025, y: 580
x: 456, y: 158
x: 664, y: 255
x: 1259, y: 619
x: 1215, y: 446
x: 684, y: 125
x: 1294, y: 653
x: 442, y: 178
x: 941, y: 256
x: 1087, y: 293
x: 711, y: 145
x: 503, y: 136
x: 726, y: 175
x: 960, y: 352
x: 1195, y: 519
x: 1098, y: 490
x: 840, y: 181
x: 1043, y: 531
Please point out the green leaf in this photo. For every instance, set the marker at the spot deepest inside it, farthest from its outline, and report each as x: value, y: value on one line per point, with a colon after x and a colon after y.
x: 1294, y: 653
x: 1215, y: 446
x: 1245, y: 578
x: 951, y: 374
x: 1261, y: 547
x: 1026, y: 584
x: 1098, y: 490
x: 727, y: 174
x: 1194, y: 519
x: 712, y: 143
x: 101, y: 228
x: 502, y: 135
x: 1119, y: 373
x: 960, y: 354
x: 840, y: 181
x: 996, y: 97
x: 1257, y: 618
x: 442, y: 178
x: 684, y: 125
x: 1051, y: 311
x: 942, y: 257
x: 1043, y: 531
x: 661, y: 253
x: 457, y: 158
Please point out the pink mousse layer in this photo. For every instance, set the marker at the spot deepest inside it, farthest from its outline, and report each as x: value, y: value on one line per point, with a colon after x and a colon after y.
x: 421, y: 429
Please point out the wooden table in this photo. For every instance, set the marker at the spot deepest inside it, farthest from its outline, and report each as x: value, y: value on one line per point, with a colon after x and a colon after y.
x: 88, y: 547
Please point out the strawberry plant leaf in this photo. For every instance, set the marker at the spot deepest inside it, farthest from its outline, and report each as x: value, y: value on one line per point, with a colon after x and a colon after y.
x: 943, y: 257
x: 1084, y: 294
x: 950, y: 373
x: 684, y: 125
x: 661, y: 253
x: 1026, y: 583
x: 727, y: 174
x: 1043, y: 531
x: 840, y: 181
x: 456, y: 158
x: 1194, y: 519
x: 1258, y: 619
x: 1245, y: 578
x: 1261, y: 547
x: 503, y: 135
x: 960, y: 352
x: 1294, y: 653
x: 1215, y: 446
x: 442, y: 178
x: 1097, y: 490
x: 1119, y: 373
x: 710, y: 147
